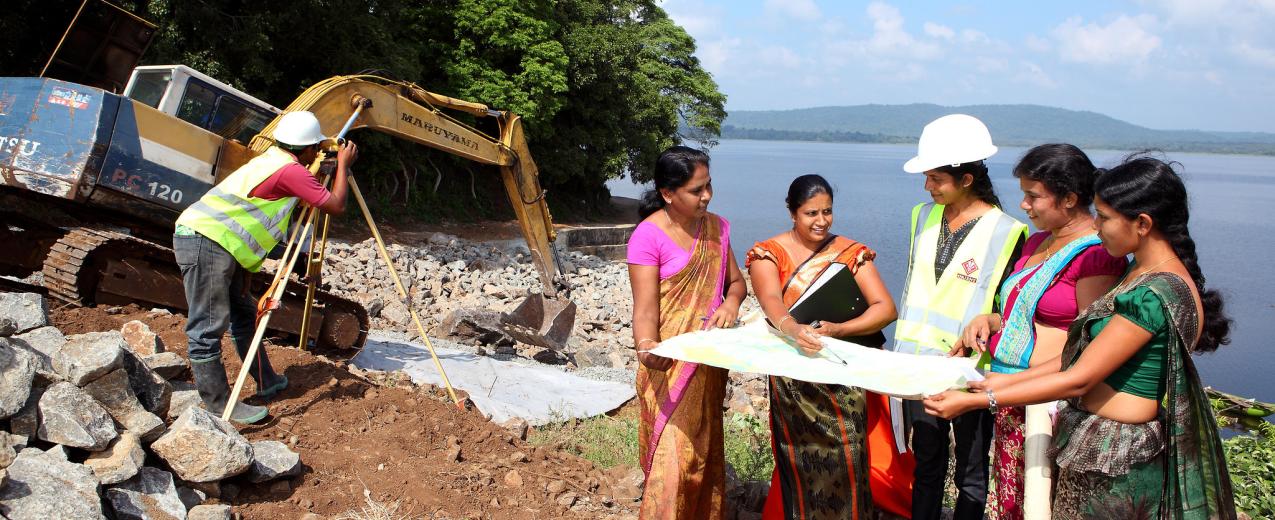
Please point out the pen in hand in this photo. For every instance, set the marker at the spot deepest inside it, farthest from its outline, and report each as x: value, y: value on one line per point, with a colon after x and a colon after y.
x: 817, y: 324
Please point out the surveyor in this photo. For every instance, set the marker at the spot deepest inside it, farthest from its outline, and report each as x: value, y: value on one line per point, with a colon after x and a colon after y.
x: 224, y: 237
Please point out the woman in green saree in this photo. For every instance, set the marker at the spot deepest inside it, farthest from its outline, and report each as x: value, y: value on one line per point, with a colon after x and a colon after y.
x: 1136, y: 437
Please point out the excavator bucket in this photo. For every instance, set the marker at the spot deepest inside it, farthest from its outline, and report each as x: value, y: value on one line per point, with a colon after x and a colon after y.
x: 541, y: 321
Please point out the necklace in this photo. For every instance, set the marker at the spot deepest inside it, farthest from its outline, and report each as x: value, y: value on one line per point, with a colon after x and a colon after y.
x: 1049, y: 253
x: 677, y: 226
x: 1131, y: 277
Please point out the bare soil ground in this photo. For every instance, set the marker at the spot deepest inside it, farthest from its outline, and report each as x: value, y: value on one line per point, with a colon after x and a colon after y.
x: 397, y: 445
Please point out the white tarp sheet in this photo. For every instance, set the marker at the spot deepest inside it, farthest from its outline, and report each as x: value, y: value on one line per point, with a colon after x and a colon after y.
x: 501, y: 389
x: 752, y: 347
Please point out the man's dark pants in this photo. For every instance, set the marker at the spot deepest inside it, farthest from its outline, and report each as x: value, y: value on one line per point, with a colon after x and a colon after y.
x: 216, y: 298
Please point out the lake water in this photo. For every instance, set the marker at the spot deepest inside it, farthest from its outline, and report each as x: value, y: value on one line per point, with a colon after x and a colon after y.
x: 1231, y: 196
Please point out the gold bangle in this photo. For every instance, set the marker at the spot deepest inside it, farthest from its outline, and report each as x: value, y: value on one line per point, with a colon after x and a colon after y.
x: 640, y: 342
x: 781, y: 323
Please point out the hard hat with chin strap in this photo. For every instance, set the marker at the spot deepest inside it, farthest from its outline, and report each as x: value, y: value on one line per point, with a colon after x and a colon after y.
x: 298, y: 129
x: 951, y: 140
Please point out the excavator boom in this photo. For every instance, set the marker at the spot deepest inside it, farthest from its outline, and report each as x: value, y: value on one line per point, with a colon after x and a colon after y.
x: 407, y: 111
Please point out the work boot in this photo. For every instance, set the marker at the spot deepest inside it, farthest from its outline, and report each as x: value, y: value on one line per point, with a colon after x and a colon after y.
x: 210, y: 380
x: 269, y: 383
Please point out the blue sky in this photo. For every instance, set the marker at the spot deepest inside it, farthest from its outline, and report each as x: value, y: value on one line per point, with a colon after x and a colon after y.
x: 1172, y: 64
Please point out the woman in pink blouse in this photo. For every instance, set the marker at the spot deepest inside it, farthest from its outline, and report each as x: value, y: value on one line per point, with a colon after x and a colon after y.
x: 684, y: 278
x: 1063, y: 268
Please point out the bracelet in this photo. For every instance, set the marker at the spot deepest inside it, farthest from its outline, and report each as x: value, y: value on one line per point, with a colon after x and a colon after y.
x: 991, y: 401
x: 640, y: 342
x: 781, y: 322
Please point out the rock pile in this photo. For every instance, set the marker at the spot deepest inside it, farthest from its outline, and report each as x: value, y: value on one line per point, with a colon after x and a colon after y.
x: 80, y: 413
x: 460, y: 288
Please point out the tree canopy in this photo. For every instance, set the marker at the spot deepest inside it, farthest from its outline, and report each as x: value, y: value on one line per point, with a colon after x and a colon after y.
x: 602, y: 86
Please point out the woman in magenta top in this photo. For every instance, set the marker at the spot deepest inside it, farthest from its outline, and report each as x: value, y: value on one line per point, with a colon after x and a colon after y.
x: 1063, y: 268
x: 684, y: 279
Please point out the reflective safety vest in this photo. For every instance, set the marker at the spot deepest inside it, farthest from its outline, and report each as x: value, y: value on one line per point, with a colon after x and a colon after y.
x: 934, y: 313
x: 247, y: 227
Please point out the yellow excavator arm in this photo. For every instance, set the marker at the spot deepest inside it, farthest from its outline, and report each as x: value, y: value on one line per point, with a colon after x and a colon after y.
x: 407, y: 111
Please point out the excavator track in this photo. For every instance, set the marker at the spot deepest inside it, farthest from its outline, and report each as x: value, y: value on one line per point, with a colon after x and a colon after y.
x: 90, y: 265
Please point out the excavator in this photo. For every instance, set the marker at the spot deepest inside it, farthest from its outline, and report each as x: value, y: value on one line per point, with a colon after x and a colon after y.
x: 98, y: 158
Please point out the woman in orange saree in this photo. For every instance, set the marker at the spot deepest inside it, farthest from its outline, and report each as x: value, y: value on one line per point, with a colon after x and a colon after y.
x: 684, y: 278
x: 833, y: 445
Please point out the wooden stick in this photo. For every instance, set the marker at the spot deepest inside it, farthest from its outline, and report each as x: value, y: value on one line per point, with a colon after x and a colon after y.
x: 290, y: 256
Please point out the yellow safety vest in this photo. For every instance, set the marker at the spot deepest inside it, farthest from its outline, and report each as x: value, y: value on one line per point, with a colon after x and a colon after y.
x: 933, y: 313
x: 247, y: 227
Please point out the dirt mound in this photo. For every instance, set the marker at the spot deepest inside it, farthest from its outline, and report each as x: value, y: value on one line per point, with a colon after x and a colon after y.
x: 395, y: 445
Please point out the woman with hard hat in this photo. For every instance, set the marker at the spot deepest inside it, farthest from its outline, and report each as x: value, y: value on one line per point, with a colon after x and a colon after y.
x: 961, y: 246
x: 226, y: 234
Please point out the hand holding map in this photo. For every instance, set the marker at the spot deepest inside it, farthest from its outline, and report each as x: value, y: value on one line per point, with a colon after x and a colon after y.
x: 754, y: 347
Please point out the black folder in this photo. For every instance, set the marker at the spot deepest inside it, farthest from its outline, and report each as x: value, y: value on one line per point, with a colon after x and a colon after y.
x: 834, y: 297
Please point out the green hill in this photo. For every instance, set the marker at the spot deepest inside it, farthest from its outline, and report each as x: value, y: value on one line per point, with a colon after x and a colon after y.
x: 1011, y: 125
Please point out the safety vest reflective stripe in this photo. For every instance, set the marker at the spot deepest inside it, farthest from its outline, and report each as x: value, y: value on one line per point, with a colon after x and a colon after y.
x: 247, y: 227
x: 934, y: 312
x: 229, y: 210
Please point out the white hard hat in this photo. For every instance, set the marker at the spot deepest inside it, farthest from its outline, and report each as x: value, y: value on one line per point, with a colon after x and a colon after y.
x: 951, y: 140
x: 298, y: 129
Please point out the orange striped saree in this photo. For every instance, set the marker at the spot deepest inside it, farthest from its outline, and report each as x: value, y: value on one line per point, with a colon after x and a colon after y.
x: 833, y: 445
x: 680, y: 437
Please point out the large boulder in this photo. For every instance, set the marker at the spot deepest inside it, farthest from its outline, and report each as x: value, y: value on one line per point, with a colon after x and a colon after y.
x: 41, y: 485
x: 475, y: 326
x: 86, y: 357
x: 113, y: 392
x: 201, y: 447
x: 149, y: 495
x: 44, y: 343
x: 169, y: 365
x: 273, y: 460
x: 209, y: 512
x: 184, y: 396
x: 151, y: 389
x: 120, y: 462
x: 27, y: 420
x: 17, y: 371
x: 26, y: 310
x: 139, y: 338
x: 70, y: 416
x: 8, y: 448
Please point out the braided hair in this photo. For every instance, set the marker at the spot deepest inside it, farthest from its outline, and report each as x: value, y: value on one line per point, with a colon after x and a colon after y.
x: 1145, y: 185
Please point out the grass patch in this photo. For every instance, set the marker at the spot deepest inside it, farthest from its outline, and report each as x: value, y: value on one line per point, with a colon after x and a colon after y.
x: 611, y: 441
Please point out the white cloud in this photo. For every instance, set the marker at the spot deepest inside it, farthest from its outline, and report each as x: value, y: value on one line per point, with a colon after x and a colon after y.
x: 781, y: 57
x: 972, y: 36
x: 715, y: 54
x: 988, y: 64
x: 1125, y: 39
x: 889, y: 38
x: 939, y: 31
x: 1037, y: 43
x: 1032, y: 74
x: 699, y: 20
x: 1257, y: 55
x: 798, y: 9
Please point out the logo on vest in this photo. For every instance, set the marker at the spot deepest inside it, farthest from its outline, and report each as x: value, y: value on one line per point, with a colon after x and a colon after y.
x: 970, y: 267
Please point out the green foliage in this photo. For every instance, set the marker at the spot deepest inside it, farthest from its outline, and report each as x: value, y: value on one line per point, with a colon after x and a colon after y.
x: 611, y: 441
x: 748, y: 447
x: 605, y: 441
x: 1251, y: 462
x: 602, y: 86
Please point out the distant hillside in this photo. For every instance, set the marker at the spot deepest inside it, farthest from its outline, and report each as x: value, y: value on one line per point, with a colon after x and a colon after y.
x: 1011, y: 125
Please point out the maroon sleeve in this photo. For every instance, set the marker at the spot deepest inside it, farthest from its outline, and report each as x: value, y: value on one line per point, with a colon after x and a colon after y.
x: 1095, y: 261
x: 293, y: 180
